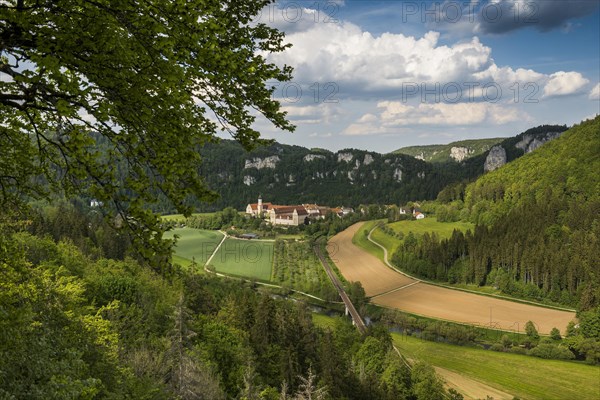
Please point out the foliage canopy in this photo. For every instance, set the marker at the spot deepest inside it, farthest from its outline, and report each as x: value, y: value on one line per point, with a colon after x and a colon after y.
x: 94, y: 90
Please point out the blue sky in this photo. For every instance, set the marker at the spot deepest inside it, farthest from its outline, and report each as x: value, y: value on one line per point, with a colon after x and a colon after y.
x: 380, y: 75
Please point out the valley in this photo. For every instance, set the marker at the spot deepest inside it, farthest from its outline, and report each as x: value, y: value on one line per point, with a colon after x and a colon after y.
x: 421, y: 298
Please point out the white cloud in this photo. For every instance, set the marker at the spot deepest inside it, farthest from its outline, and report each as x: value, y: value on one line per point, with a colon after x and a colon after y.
x: 564, y: 83
x: 595, y: 93
x: 313, y: 114
x: 395, y: 115
x: 385, y: 66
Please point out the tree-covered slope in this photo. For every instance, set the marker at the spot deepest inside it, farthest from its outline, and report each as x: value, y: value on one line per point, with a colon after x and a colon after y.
x: 294, y: 174
x: 567, y: 166
x: 538, y: 226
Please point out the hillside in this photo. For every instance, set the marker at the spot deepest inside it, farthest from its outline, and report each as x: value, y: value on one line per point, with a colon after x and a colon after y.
x: 537, y: 227
x: 567, y: 167
x: 294, y: 174
x: 455, y: 151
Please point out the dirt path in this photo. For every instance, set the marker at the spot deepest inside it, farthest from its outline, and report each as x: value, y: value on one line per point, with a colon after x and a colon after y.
x: 469, y: 388
x: 434, y: 301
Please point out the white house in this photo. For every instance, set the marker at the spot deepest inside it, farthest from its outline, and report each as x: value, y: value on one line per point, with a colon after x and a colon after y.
x: 288, y: 215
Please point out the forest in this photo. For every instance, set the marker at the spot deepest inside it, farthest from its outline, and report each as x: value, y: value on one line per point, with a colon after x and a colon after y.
x: 383, y: 179
x: 80, y: 318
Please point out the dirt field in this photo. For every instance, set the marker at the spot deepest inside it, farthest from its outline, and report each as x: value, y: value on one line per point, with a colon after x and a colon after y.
x: 358, y: 265
x: 434, y: 301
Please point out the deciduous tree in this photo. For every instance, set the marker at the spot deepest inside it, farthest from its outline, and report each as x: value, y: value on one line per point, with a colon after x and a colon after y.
x: 111, y: 99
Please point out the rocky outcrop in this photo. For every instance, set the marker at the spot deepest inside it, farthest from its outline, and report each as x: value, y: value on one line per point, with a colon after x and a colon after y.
x: 368, y: 159
x: 398, y: 175
x: 460, y: 153
x: 249, y: 180
x: 260, y: 163
x: 530, y: 142
x: 347, y: 157
x: 312, y: 157
x: 495, y: 159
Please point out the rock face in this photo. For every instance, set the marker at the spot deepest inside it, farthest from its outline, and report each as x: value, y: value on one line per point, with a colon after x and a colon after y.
x: 398, y: 175
x: 530, y: 143
x: 347, y: 157
x: 368, y: 159
x: 260, y: 163
x: 249, y: 180
x: 312, y: 157
x: 495, y: 159
x: 459, y: 153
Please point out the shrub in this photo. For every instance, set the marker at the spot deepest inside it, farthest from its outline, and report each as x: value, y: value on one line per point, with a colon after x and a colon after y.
x: 497, y: 347
x: 551, y: 351
x: 517, y: 350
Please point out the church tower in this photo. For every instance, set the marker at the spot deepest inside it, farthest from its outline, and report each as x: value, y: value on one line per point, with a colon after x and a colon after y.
x: 260, y: 206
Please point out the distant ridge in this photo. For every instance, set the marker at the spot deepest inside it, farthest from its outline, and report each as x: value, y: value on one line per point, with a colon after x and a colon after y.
x: 455, y: 151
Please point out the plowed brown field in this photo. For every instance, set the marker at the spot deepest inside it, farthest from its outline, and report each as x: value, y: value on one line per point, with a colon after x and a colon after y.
x: 435, y: 301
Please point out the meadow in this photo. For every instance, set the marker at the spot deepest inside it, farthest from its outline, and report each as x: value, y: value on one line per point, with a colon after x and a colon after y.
x: 525, y: 377
x: 194, y: 245
x: 522, y: 376
x: 181, y: 218
x: 428, y: 225
x: 245, y: 258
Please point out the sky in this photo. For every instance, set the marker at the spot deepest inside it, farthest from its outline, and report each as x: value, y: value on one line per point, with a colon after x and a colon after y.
x: 380, y: 75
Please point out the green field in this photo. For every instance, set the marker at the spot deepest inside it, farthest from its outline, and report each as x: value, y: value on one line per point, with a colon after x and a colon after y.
x: 430, y: 224
x: 523, y: 376
x: 417, y: 227
x: 360, y: 239
x: 182, y: 218
x: 245, y: 258
x: 194, y: 244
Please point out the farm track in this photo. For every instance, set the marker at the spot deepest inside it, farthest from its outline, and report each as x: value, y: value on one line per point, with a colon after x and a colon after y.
x: 392, y: 289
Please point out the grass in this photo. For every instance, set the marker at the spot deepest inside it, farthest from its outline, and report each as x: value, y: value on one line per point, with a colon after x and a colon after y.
x: 181, y: 218
x: 430, y: 224
x: 194, y: 244
x: 523, y: 376
x: 323, y: 321
x: 360, y: 239
x: 387, y: 241
x: 245, y: 258
x: 289, y: 236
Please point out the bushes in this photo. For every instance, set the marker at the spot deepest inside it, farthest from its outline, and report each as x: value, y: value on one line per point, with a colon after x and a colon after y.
x: 551, y: 351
